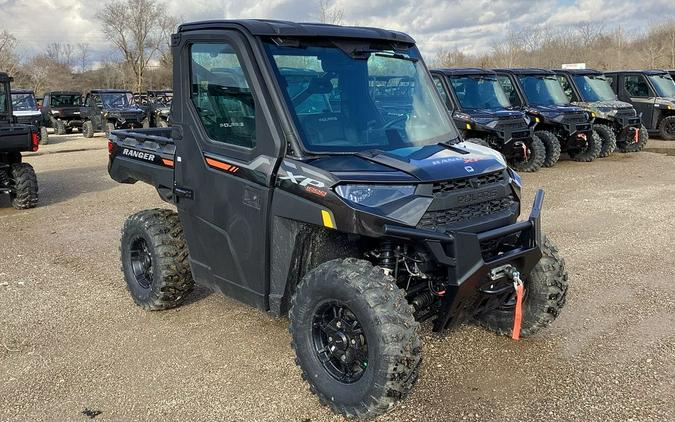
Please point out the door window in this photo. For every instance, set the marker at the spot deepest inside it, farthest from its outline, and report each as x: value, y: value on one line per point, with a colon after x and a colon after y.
x: 636, y: 86
x: 222, y: 95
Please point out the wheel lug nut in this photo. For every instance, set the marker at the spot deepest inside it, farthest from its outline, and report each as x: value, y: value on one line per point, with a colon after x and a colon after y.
x: 343, y: 357
x: 353, y: 341
x: 330, y: 338
x: 339, y: 324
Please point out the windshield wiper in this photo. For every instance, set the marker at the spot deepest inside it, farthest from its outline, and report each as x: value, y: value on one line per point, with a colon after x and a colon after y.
x: 397, y: 56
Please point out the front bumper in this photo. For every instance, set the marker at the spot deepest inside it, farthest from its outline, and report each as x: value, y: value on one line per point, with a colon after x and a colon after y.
x: 468, y: 266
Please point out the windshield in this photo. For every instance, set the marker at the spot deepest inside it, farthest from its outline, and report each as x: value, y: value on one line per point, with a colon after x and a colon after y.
x: 3, y: 99
x: 117, y: 100
x: 594, y: 88
x: 63, y: 100
x: 24, y: 102
x: 378, y: 99
x: 475, y: 92
x: 162, y: 99
x: 543, y: 90
x: 663, y: 84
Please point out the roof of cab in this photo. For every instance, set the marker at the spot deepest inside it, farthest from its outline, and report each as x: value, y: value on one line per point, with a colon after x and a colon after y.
x: 4, y: 77
x: 63, y: 93
x: 578, y: 71
x: 102, y: 91
x: 457, y: 71
x: 525, y: 71
x: 22, y: 91
x: 646, y: 72
x: 276, y: 28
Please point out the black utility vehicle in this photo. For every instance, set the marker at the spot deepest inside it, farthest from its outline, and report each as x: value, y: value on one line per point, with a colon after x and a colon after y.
x: 110, y: 109
x: 483, y: 112
x: 615, y: 122
x: 652, y: 93
x: 157, y: 106
x: 61, y: 111
x: 311, y: 194
x: 26, y: 111
x: 17, y: 179
x: 560, y: 125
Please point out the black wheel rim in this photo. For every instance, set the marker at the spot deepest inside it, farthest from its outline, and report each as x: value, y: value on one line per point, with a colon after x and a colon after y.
x: 141, y: 262
x: 339, y: 342
x: 670, y: 129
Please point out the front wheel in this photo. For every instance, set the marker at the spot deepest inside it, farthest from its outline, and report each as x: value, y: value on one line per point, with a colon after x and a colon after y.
x: 44, y: 136
x: 536, y: 154
x: 545, y: 294
x: 355, y: 337
x: 590, y: 152
x: 24, y: 185
x: 626, y: 142
x: 552, y: 145
x: 88, y: 129
x: 60, y: 127
x: 155, y: 259
x: 608, y: 138
x: 667, y: 128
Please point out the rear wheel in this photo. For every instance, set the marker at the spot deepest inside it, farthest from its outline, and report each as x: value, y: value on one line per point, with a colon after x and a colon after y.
x: 667, y: 128
x: 355, y: 337
x: 608, y: 139
x: 626, y: 142
x: 155, y: 259
x: 536, y: 154
x: 88, y: 129
x: 44, y: 136
x: 590, y: 152
x: 545, y: 294
x: 24, y: 185
x: 552, y: 145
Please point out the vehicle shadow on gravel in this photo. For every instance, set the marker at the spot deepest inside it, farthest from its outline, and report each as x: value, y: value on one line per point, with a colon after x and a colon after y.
x: 57, y: 186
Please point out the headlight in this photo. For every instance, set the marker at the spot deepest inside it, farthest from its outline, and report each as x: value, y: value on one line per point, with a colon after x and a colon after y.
x: 55, y: 112
x: 374, y: 195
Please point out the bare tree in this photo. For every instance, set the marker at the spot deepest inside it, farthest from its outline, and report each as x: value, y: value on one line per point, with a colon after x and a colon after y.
x: 8, y: 59
x: 83, y: 51
x: 138, y: 29
x: 330, y: 13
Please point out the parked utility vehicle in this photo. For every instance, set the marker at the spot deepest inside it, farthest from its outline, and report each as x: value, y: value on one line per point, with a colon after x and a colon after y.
x: 356, y: 214
x: 25, y: 109
x: 652, y: 93
x: 157, y: 106
x: 61, y: 110
x: 560, y: 125
x: 484, y: 114
x: 615, y: 122
x: 110, y: 109
x: 17, y: 179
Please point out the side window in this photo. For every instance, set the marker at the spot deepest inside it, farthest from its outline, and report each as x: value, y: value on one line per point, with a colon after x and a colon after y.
x: 636, y: 86
x: 509, y: 89
x: 567, y: 88
x: 221, y: 95
x: 96, y: 101
x: 441, y: 89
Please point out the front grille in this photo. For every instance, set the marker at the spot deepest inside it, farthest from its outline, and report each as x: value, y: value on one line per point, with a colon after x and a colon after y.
x: 469, y: 183
x: 576, y: 119
x: 625, y: 112
x: 519, y: 135
x: 438, y: 220
x: 512, y: 126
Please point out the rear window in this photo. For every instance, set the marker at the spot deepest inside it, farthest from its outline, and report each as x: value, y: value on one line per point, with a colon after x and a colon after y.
x: 66, y: 101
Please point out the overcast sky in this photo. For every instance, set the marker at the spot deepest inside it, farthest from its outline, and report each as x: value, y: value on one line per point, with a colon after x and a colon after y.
x: 470, y: 25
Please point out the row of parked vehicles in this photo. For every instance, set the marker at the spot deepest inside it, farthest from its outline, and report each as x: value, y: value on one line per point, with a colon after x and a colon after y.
x: 98, y: 110
x: 532, y: 115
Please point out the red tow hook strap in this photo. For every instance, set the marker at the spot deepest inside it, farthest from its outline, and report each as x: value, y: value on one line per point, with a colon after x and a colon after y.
x: 636, y: 137
x: 518, y: 314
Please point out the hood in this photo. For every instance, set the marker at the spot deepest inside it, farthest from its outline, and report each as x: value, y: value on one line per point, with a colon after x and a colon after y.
x: 501, y: 114
x: 557, y: 109
x: 604, y: 105
x: 125, y: 110
x: 428, y: 163
x: 24, y: 113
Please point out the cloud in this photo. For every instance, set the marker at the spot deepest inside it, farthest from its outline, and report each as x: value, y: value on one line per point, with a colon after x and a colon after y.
x: 469, y: 25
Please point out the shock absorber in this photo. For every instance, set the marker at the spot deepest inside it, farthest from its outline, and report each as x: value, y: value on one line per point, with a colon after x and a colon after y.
x: 387, y: 257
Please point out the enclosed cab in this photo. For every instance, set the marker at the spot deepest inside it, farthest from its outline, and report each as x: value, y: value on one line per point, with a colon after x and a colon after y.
x: 560, y: 125
x: 110, y: 109
x: 157, y: 106
x: 484, y: 114
x: 615, y: 122
x: 17, y: 179
x: 652, y: 93
x: 26, y: 111
x: 317, y: 174
x: 61, y: 110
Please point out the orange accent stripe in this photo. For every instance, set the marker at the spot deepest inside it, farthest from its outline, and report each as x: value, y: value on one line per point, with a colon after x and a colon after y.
x: 167, y: 162
x: 218, y: 164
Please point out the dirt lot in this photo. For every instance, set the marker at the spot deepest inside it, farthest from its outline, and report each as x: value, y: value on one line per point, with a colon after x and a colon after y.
x: 72, y: 339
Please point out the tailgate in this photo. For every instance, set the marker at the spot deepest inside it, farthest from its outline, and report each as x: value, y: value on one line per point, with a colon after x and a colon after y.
x: 15, y: 138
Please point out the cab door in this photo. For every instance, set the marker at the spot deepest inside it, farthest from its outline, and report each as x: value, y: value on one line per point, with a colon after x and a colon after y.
x: 226, y: 152
x: 637, y: 91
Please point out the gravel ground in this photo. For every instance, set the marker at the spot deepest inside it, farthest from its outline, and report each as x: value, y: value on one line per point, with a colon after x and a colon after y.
x: 72, y: 340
